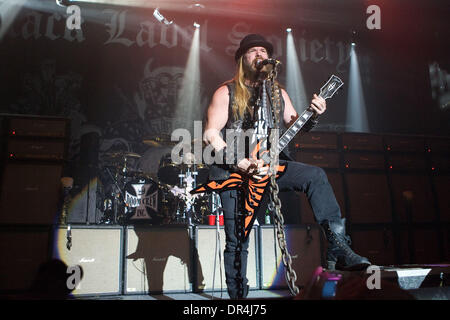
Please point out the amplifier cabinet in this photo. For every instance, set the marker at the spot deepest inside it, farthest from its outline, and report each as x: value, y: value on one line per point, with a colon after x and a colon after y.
x: 438, y: 144
x: 375, y: 244
x: 23, y: 251
x: 210, y: 274
x: 158, y: 259
x: 362, y: 142
x: 37, y: 126
x: 98, y: 250
x: 421, y: 208
x: 404, y: 143
x: 425, y: 245
x: 326, y: 160
x: 317, y: 140
x: 420, y: 245
x: 306, y: 245
x: 440, y: 164
x: 407, y: 162
x: 367, y: 161
x: 30, y: 193
x: 441, y: 185
x: 368, y: 197
x: 27, y: 149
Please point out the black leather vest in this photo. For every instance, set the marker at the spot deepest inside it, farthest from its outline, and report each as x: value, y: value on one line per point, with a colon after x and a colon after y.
x: 221, y: 172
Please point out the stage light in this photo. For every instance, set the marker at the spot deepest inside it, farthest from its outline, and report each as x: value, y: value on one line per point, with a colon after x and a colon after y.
x: 357, y: 120
x: 160, y: 17
x: 189, y: 97
x: 294, y: 78
x: 196, y: 25
x: 353, y: 38
x: 288, y: 30
x: 196, y: 5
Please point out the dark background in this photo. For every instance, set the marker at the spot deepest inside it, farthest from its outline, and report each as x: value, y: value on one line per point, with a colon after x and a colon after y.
x: 99, y: 76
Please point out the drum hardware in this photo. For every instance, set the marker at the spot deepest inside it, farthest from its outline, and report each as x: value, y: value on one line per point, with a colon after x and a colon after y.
x: 112, y: 201
x: 193, y: 207
x: 122, y: 155
x: 136, y: 196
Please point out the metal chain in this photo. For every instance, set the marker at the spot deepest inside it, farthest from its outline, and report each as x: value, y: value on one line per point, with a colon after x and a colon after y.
x: 275, y: 203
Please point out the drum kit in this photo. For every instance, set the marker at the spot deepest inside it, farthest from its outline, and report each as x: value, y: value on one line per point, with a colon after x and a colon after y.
x: 155, y: 194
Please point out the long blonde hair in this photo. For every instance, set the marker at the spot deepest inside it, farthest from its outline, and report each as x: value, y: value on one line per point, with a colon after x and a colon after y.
x: 241, y: 93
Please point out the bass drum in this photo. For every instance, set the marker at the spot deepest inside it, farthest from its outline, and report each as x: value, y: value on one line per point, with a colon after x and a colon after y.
x: 143, y: 199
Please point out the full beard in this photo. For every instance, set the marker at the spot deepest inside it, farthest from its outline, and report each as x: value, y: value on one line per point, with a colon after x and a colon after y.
x: 253, y: 74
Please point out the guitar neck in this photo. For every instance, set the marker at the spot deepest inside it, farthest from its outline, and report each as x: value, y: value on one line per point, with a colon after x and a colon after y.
x: 294, y: 129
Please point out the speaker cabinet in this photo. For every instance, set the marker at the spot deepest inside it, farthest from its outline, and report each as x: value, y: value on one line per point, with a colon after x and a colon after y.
x: 207, y: 266
x: 306, y: 245
x: 364, y: 161
x: 425, y: 246
x: 369, y: 198
x: 37, y: 126
x: 317, y: 140
x: 362, y: 142
x: 404, y: 143
x: 377, y: 245
x: 30, y: 193
x: 98, y: 250
x: 422, y: 204
x: 23, y: 251
x: 446, y: 243
x: 325, y: 160
x: 158, y: 259
x: 441, y: 184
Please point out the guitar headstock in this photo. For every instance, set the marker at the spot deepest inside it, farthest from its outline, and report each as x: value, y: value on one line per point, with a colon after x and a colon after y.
x: 331, y: 87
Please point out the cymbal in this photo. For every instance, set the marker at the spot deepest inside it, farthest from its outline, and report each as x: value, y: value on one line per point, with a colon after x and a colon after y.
x: 122, y: 154
x: 159, y: 141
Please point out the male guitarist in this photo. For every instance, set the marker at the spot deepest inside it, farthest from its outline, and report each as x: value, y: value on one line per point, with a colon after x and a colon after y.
x: 237, y: 105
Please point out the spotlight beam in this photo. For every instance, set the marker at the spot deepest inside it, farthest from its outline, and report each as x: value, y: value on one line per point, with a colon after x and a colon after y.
x: 9, y: 9
x: 356, y: 105
x: 294, y: 79
x: 189, y: 102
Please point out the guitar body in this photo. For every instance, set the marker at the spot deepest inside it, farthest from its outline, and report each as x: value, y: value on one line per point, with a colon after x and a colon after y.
x: 253, y: 192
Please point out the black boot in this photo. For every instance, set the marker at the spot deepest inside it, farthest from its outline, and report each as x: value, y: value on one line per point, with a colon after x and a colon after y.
x: 339, y: 254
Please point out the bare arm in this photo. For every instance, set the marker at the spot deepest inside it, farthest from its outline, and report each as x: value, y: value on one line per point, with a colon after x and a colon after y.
x: 217, y: 117
x: 318, y: 105
x: 290, y: 115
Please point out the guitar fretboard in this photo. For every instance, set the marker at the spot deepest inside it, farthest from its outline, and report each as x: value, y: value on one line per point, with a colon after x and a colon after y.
x: 294, y: 129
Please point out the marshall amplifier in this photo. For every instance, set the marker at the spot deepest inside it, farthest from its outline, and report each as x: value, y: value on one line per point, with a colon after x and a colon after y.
x: 27, y: 149
x: 158, y: 259
x: 99, y: 253
x: 362, y: 141
x: 328, y: 160
x: 30, y: 193
x: 36, y: 126
x: 399, y: 143
x: 306, y: 245
x: 364, y: 161
x: 316, y: 140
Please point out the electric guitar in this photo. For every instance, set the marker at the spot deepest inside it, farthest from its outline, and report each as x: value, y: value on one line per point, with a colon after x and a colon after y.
x: 252, y: 187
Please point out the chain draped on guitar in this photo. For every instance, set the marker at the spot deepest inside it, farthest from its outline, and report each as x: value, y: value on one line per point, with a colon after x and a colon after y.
x: 252, y: 187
